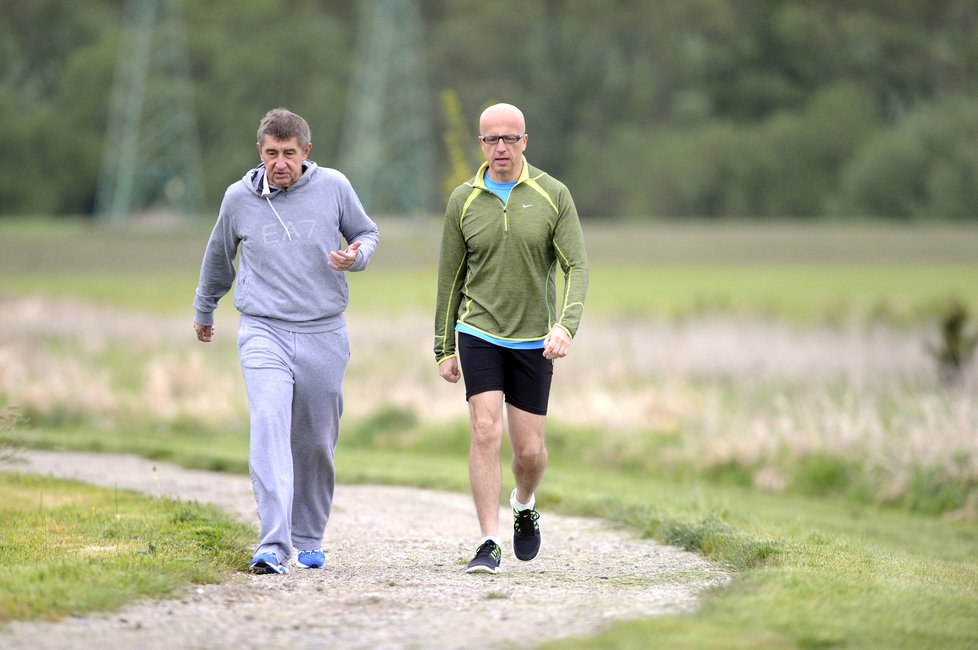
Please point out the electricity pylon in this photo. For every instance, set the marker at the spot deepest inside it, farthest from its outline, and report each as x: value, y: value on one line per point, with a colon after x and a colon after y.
x: 151, y: 151
x: 388, y: 145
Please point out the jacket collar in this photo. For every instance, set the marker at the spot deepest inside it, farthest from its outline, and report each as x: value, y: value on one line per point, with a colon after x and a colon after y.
x: 479, y: 180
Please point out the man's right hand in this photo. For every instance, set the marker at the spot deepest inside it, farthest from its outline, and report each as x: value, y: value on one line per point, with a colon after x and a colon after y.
x: 448, y: 369
x: 204, y: 332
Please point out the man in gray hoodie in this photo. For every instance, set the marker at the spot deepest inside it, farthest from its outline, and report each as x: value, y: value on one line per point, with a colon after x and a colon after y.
x: 286, y: 217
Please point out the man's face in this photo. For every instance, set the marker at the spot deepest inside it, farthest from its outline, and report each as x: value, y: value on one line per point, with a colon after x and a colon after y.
x: 283, y: 160
x: 505, y: 160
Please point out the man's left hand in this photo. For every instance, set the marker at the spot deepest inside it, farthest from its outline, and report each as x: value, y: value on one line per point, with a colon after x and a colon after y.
x: 557, y: 343
x: 343, y: 260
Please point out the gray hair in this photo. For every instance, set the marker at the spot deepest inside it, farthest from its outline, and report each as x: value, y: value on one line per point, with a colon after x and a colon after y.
x: 283, y: 124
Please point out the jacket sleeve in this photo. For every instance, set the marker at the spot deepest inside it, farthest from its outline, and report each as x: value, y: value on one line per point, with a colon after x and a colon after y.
x: 451, y: 279
x: 217, y: 268
x: 571, y: 252
x: 355, y: 225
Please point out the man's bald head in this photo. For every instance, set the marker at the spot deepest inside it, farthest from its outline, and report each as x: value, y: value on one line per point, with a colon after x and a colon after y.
x: 502, y: 112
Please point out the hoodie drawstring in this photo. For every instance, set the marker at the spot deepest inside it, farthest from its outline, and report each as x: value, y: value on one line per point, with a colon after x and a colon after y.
x: 265, y: 192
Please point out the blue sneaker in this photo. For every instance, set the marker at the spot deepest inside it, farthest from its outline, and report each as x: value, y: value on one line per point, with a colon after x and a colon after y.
x: 311, y: 559
x: 267, y: 563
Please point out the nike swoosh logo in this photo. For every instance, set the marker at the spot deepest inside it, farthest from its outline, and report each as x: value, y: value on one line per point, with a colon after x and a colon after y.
x: 527, y: 205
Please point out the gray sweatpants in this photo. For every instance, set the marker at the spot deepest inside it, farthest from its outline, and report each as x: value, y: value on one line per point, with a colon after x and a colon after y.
x: 295, y: 395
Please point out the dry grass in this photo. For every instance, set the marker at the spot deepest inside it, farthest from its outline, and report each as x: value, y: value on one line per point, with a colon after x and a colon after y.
x: 67, y: 361
x: 761, y: 397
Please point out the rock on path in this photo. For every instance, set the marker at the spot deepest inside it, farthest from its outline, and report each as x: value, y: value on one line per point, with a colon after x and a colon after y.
x: 394, y: 578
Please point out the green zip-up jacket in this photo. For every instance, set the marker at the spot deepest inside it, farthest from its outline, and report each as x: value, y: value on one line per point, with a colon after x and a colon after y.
x: 497, y: 268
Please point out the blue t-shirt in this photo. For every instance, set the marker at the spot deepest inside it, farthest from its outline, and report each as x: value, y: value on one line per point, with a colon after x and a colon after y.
x: 503, y: 343
x: 501, y: 190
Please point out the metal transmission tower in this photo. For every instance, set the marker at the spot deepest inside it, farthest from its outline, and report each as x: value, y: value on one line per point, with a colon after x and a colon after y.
x: 151, y: 152
x: 388, y: 144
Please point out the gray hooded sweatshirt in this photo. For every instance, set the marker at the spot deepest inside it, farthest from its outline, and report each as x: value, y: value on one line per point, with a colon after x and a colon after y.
x: 285, y: 237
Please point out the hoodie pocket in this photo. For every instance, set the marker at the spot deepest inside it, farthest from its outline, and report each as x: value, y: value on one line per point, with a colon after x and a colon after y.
x: 241, y: 291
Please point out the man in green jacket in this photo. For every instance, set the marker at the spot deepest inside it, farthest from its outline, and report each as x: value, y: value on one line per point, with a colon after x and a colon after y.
x: 505, y: 232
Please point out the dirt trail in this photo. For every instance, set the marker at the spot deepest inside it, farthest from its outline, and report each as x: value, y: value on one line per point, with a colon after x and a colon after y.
x: 394, y: 577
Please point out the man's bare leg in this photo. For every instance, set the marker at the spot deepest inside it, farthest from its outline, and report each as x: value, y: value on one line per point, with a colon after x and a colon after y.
x: 486, y: 427
x: 526, y: 434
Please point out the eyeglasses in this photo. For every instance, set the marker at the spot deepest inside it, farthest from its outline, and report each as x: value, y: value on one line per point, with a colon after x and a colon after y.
x: 508, y: 139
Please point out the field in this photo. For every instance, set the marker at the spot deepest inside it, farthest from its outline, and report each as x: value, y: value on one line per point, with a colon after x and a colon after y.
x: 766, y: 393
x: 787, y: 357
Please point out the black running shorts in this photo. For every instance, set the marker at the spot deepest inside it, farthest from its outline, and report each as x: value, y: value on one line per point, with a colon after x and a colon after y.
x: 523, y: 376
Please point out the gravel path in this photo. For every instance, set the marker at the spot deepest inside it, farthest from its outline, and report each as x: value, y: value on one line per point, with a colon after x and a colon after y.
x: 394, y: 576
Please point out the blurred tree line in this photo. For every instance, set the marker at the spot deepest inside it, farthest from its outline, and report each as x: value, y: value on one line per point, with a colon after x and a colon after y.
x: 645, y: 109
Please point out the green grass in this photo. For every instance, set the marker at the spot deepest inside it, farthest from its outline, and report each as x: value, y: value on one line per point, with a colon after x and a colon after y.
x: 808, y: 272
x: 803, y: 293
x: 806, y: 294
x: 218, y: 450
x: 161, y: 293
x: 68, y: 549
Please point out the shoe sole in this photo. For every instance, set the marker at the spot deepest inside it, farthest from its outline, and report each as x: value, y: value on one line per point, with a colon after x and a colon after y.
x: 308, y: 566
x: 482, y: 569
x: 264, y: 568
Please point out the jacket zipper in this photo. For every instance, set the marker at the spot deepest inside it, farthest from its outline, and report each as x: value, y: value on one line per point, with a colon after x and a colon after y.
x: 505, y: 209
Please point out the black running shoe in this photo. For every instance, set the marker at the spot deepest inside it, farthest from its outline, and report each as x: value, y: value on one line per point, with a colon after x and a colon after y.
x: 486, y: 559
x: 526, y: 534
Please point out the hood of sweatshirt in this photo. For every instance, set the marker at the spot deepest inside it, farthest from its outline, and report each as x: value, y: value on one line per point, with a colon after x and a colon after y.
x: 258, y: 181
